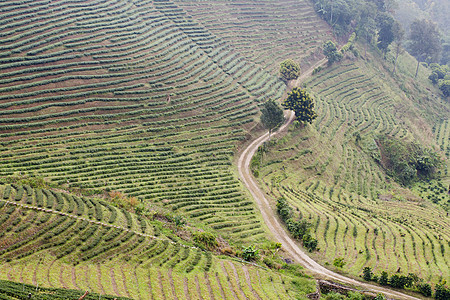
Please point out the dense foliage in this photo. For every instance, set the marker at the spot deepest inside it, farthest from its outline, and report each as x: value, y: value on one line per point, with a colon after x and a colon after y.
x: 302, y: 104
x: 348, y: 15
x: 425, y: 44
x: 289, y: 70
x: 205, y: 240
x: 407, y: 162
x: 331, y: 52
x: 442, y: 292
x: 410, y: 281
x: 440, y: 75
x: 250, y: 253
x: 436, y: 10
x: 300, y: 229
x: 272, y: 115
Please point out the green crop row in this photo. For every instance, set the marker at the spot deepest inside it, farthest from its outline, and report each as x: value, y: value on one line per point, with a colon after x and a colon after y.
x: 12, y: 290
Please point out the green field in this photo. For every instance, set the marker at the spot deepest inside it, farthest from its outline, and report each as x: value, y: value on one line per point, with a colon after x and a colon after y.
x: 135, y: 97
x: 357, y: 211
x: 264, y: 32
x: 53, y: 239
x: 155, y: 99
x: 143, y: 98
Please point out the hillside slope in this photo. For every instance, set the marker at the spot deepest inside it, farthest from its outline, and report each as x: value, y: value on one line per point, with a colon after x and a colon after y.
x: 54, y: 239
x: 264, y: 32
x: 132, y: 96
x: 332, y: 172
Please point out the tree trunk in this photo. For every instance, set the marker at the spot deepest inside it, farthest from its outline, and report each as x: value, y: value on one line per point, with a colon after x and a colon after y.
x: 365, y: 45
x: 417, y: 69
x: 84, y: 296
x: 396, y: 58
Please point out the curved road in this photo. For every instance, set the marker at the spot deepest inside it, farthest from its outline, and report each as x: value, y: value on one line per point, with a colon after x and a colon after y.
x: 278, y: 230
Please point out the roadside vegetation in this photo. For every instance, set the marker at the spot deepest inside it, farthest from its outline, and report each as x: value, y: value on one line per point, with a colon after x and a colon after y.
x: 120, y: 122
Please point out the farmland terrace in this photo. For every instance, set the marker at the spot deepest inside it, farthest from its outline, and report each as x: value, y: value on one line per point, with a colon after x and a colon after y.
x: 59, y: 240
x: 136, y: 96
x: 154, y: 99
x: 144, y: 98
x: 335, y: 180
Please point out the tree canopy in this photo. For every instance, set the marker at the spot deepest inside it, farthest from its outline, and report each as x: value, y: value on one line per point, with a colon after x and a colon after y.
x: 331, y: 52
x: 440, y: 75
x: 302, y: 104
x: 289, y: 70
x: 345, y: 15
x: 408, y: 162
x: 386, y: 33
x: 272, y: 115
x: 399, y: 34
x: 425, y: 44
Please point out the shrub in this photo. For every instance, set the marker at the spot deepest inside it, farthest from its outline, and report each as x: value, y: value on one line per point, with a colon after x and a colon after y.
x: 444, y: 86
x: 339, y: 262
x: 334, y: 296
x: 355, y: 296
x: 331, y: 52
x: 442, y: 292
x: 289, y: 70
x: 380, y: 297
x: 283, y: 209
x: 250, y: 253
x: 298, y: 228
x: 120, y: 200
x: 408, y: 162
x: 205, y: 240
x: 398, y: 281
x: 309, y: 242
x: 367, y: 273
x: 424, y: 289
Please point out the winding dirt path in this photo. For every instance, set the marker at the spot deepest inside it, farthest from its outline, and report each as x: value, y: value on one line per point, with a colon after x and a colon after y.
x: 274, y: 225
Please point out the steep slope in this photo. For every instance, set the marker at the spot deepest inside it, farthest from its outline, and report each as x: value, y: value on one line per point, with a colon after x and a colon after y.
x: 58, y: 240
x: 331, y: 173
x: 133, y: 96
x: 264, y: 32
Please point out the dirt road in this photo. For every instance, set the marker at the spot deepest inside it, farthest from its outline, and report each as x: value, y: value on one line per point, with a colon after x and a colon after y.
x: 277, y: 229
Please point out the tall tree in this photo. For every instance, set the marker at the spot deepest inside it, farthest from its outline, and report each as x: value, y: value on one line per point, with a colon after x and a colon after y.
x: 385, y: 24
x: 272, y: 115
x: 424, y: 41
x: 399, y: 34
x: 302, y: 104
x: 367, y: 27
x: 331, y: 52
x: 338, y: 13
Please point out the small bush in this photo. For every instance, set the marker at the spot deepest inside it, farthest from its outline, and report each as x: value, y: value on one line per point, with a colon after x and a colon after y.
x: 442, y: 292
x: 425, y: 289
x: 250, y: 253
x: 339, y: 262
x: 205, y: 240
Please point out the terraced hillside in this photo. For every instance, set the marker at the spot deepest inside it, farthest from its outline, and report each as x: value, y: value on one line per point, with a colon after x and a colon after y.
x: 329, y: 172
x: 54, y: 239
x: 134, y: 96
x: 264, y: 32
x: 14, y: 291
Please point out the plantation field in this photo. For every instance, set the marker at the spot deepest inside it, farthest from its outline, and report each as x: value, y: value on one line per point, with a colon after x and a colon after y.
x: 333, y: 179
x: 52, y: 239
x: 133, y: 96
x: 442, y: 134
x: 264, y: 32
x: 153, y: 99
x: 14, y: 290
